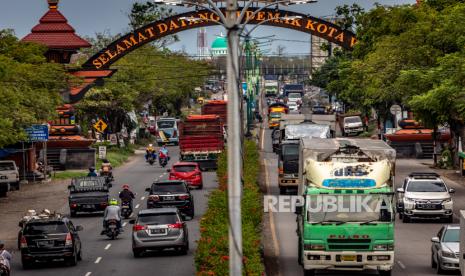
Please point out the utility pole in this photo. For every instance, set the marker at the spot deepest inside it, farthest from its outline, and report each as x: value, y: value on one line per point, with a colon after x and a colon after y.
x: 234, y: 142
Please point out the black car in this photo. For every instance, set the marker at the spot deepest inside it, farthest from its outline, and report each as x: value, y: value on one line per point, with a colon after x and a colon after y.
x: 88, y: 194
x: 49, y: 239
x: 171, y: 193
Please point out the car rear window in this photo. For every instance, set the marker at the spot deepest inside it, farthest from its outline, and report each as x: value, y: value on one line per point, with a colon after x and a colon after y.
x: 87, y: 183
x: 185, y: 168
x: 37, y: 228
x: 7, y: 166
x: 165, y: 124
x: 158, y: 219
x: 174, y: 187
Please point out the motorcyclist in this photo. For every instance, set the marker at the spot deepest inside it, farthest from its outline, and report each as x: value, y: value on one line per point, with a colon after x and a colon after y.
x: 106, y: 168
x: 149, y: 151
x: 92, y: 172
x: 126, y: 195
x: 5, y: 259
x: 163, y: 152
x: 112, y: 212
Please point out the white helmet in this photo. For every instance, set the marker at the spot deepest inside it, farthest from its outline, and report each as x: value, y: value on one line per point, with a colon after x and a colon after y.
x: 150, y: 145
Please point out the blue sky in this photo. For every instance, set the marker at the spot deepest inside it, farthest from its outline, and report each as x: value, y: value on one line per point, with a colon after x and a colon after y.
x: 91, y: 16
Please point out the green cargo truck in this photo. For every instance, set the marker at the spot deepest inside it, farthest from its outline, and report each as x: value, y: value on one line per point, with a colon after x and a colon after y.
x: 346, y: 221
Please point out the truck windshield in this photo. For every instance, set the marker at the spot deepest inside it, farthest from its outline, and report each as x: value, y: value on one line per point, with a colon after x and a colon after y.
x: 165, y: 124
x: 290, y: 152
x: 294, y: 95
x: 349, y: 208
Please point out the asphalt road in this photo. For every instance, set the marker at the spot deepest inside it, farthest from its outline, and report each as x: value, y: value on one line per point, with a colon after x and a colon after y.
x: 413, y: 240
x: 102, y: 256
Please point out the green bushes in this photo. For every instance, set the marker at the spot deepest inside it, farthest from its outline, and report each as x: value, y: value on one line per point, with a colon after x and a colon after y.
x: 212, y: 257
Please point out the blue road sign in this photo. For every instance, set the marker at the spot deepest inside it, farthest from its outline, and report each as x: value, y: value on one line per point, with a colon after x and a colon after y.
x: 37, y: 133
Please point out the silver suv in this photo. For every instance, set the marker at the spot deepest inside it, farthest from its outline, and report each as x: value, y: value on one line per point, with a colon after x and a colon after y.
x: 157, y: 229
x: 424, y: 194
x: 9, y: 177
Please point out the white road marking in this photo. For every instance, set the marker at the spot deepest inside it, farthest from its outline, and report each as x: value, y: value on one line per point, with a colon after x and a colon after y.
x: 88, y: 273
x: 98, y: 260
x: 401, y: 264
x: 124, y: 223
x: 137, y: 206
x: 270, y: 214
x: 142, y: 198
x: 108, y: 246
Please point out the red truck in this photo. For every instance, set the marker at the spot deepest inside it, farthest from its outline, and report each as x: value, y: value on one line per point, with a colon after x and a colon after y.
x: 201, y: 140
x: 216, y: 107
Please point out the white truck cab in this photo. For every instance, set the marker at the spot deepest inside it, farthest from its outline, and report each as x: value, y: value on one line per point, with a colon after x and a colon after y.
x: 9, y: 177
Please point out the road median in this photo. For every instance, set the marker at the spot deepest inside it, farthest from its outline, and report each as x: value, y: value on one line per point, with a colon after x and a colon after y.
x: 212, y: 256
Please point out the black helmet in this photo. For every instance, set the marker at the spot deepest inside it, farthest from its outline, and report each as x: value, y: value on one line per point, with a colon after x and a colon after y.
x: 91, y: 169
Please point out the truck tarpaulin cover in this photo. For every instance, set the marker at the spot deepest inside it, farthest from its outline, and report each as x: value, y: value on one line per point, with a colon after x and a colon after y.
x: 307, y: 130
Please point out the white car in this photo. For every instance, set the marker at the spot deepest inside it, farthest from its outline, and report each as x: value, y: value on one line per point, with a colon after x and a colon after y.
x: 424, y: 195
x: 293, y: 106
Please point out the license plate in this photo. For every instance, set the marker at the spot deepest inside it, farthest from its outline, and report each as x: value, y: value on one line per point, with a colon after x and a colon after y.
x: 157, y: 231
x: 112, y: 226
x: 349, y: 258
x: 168, y: 198
x: 125, y: 207
x: 44, y: 243
x: 88, y: 206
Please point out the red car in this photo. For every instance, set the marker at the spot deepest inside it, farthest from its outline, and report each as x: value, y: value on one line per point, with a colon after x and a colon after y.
x: 187, y: 171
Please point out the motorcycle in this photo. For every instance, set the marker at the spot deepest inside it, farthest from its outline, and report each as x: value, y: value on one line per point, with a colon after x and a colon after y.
x: 163, y: 161
x: 108, y: 176
x: 126, y: 209
x: 112, y: 230
x: 151, y: 159
x: 4, y: 268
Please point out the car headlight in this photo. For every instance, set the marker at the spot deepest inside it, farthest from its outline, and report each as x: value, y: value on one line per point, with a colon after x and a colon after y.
x: 383, y: 247
x: 314, y: 247
x: 448, y: 254
x: 408, y: 200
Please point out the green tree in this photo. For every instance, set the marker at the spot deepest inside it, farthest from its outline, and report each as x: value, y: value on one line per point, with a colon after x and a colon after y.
x: 29, y: 87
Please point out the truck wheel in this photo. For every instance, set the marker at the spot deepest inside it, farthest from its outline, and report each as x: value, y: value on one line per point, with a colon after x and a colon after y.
x: 3, y: 193
x: 26, y: 264
x: 385, y: 272
x: 137, y: 253
x: 433, y: 261
x: 73, y: 213
x: 405, y: 219
x: 309, y: 272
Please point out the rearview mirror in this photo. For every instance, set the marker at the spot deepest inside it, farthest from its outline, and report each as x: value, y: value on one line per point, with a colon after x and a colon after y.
x: 451, y: 191
x: 147, y: 189
x: 132, y: 221
x: 400, y: 190
x: 435, y: 239
x: 79, y: 228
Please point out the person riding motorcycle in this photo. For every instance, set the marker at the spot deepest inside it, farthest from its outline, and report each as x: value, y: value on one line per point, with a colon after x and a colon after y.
x: 163, y: 152
x: 5, y: 259
x: 106, y: 168
x: 112, y: 212
x: 126, y: 195
x: 150, y: 151
x: 92, y: 172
